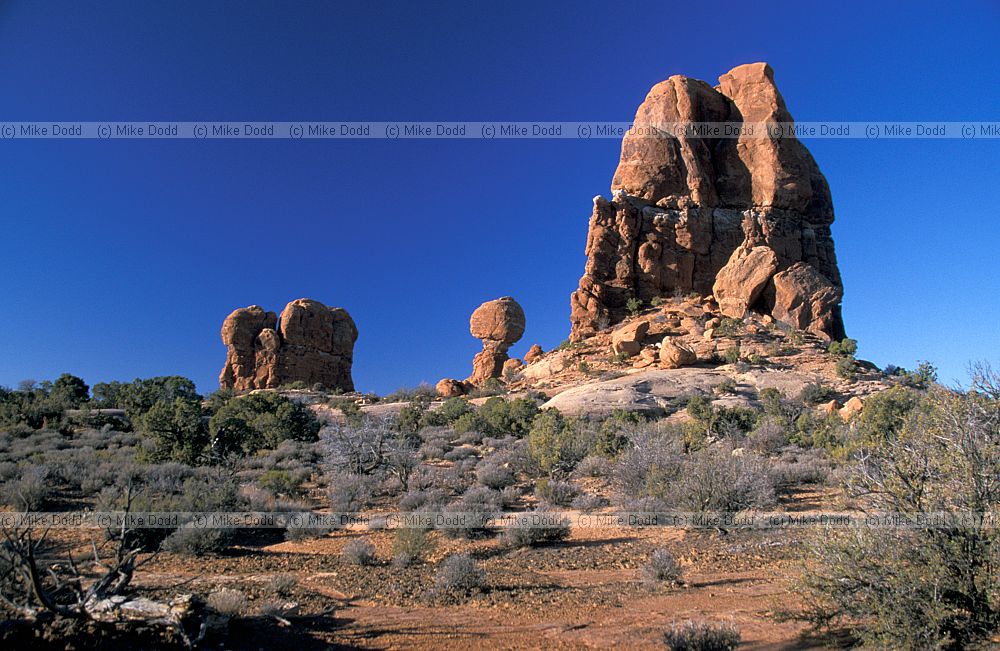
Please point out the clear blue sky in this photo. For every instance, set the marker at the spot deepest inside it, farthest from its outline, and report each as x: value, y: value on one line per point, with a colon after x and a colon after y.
x: 121, y: 258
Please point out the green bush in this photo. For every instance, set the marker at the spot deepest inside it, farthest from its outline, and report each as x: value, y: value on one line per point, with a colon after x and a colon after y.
x: 281, y: 482
x: 553, y: 443
x: 249, y: 423
x: 634, y: 306
x: 847, y: 368
x: 843, y: 348
x: 912, y: 586
x: 176, y: 429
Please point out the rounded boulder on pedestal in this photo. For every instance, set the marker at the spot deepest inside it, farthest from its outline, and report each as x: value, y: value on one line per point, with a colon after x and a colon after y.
x: 500, y: 320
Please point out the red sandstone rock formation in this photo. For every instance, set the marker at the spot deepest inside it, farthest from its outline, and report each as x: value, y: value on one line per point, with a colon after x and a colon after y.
x: 683, y: 204
x: 498, y: 324
x: 310, y: 342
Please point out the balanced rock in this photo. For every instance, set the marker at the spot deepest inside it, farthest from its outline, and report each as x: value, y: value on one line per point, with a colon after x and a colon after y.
x: 535, y: 352
x: 684, y: 203
x: 675, y: 355
x: 449, y: 388
x: 498, y: 323
x: 309, y: 342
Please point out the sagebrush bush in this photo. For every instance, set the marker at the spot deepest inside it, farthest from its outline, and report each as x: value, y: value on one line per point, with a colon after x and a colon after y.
x: 350, y: 493
x: 189, y: 540
x: 476, y: 508
x: 692, y: 636
x: 587, y: 502
x: 543, y: 527
x: 493, y: 475
x: 282, y: 585
x: 661, y: 569
x: 228, y: 602
x: 594, y: 467
x: 358, y: 552
x: 458, y: 575
x: 558, y: 493
x: 30, y: 491
x: 430, y: 500
x: 411, y: 545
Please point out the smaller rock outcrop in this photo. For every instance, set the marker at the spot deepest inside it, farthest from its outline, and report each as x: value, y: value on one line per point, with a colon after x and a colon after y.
x: 627, y: 340
x: 534, y: 353
x: 676, y: 355
x: 309, y: 342
x: 741, y: 282
x: 449, y: 388
x: 499, y: 324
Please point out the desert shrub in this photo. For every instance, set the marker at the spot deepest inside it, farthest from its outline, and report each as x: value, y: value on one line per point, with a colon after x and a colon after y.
x: 847, y: 368
x: 411, y: 545
x: 493, y: 475
x: 731, y: 355
x: 710, y: 422
x: 545, y: 527
x: 555, y: 444
x: 810, y: 466
x: 922, y: 378
x: 459, y: 575
x: 730, y: 327
x: 282, y: 585
x: 714, y: 480
x: 661, y: 569
x: 588, y: 502
x: 691, y: 636
x: 885, y: 413
x: 358, y: 552
x: 423, y: 501
x: 228, y: 602
x: 450, y: 411
x: 423, y: 392
x: 189, y: 540
x: 30, y: 491
x: 768, y: 436
x: 460, y: 452
x: 652, y: 461
x: 260, y: 420
x: 559, y: 493
x: 843, y: 348
x: 281, y: 482
x: 594, y: 467
x: 919, y: 587
x: 491, y: 387
x: 433, y: 449
x: 816, y: 393
x: 372, y: 447
x: 727, y: 386
x: 350, y: 493
x: 501, y: 417
x: 634, y: 306
x: 469, y: 516
x: 8, y: 471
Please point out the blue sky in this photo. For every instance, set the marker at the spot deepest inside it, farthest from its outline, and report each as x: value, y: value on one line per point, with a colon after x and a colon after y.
x: 121, y: 258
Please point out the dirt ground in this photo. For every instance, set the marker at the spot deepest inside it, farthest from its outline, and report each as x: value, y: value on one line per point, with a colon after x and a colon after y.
x: 584, y: 592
